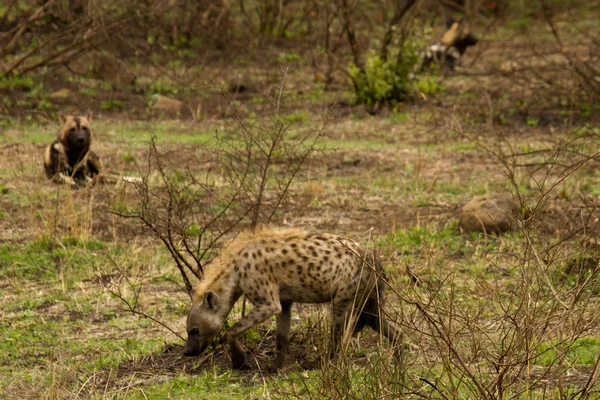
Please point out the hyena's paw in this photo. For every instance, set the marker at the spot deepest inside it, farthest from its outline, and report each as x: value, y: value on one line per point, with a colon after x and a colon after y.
x: 238, y: 361
x: 277, y: 363
x: 238, y: 355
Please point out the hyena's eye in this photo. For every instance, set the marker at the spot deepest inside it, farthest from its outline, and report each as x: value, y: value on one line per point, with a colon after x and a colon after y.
x: 72, y: 130
x: 195, y: 331
x: 85, y: 128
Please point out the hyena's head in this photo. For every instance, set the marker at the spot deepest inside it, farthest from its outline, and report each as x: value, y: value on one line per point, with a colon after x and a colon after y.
x: 458, y: 35
x: 204, y: 322
x: 76, y: 131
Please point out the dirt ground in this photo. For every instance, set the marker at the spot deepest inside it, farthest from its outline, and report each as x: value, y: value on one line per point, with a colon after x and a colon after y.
x: 377, y: 175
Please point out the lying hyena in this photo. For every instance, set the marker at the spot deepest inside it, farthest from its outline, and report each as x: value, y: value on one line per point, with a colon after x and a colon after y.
x: 69, y: 158
x: 275, y: 268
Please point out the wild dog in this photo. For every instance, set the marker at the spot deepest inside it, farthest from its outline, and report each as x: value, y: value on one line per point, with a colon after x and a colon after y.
x: 69, y: 159
x: 453, y: 45
x: 274, y: 269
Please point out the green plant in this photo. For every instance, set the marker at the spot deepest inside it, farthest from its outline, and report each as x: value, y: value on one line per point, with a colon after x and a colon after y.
x: 533, y: 122
x: 128, y: 158
x: 163, y: 86
x: 398, y: 117
x: 10, y: 82
x: 387, y: 79
x: 298, y: 116
x: 112, y: 105
x: 428, y: 85
x: 285, y: 58
x: 88, y: 91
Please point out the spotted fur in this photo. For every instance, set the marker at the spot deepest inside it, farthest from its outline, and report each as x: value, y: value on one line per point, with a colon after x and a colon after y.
x: 275, y: 268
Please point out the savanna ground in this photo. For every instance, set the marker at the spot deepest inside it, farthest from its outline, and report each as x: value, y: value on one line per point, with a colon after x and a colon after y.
x: 93, y: 305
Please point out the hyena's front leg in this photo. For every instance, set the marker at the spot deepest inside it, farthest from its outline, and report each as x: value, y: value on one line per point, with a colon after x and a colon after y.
x: 259, y: 313
x: 94, y: 167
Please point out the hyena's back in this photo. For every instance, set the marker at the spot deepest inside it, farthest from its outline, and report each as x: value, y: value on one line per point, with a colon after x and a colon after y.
x: 300, y: 267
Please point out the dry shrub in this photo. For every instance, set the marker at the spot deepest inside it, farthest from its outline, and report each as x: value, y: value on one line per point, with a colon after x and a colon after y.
x: 66, y: 213
x: 192, y: 198
x: 525, y: 326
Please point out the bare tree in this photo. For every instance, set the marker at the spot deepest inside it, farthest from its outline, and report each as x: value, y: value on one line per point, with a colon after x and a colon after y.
x: 247, y: 180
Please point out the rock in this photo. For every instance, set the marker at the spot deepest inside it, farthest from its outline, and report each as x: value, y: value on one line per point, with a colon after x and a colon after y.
x: 61, y: 94
x: 489, y: 213
x: 165, y: 103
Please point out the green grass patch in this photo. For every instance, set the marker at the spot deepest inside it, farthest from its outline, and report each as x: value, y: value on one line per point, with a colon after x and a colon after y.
x: 31, y: 133
x: 46, y: 259
x: 583, y: 351
x: 88, y: 91
x: 417, y: 238
x: 129, y: 158
x: 8, y: 82
x: 286, y: 58
x: 428, y: 85
x: 355, y: 144
x: 214, y: 385
x: 399, y: 117
x: 298, y: 116
x: 139, y: 134
x: 112, y: 105
x: 163, y: 86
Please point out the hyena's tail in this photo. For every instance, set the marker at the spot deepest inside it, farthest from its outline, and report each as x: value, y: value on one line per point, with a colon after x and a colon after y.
x: 371, y: 312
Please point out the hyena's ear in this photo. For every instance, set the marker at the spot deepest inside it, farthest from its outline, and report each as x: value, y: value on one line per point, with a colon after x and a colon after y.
x: 90, y: 115
x: 212, y: 300
x: 61, y: 118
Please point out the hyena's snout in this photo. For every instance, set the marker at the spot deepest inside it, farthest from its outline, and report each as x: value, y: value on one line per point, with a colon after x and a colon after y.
x: 193, y: 348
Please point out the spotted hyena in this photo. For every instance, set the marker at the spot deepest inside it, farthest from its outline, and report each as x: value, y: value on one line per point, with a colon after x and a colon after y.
x: 274, y: 269
x: 69, y: 158
x: 451, y: 48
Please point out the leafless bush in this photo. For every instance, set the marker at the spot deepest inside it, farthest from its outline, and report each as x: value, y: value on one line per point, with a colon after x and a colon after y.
x: 518, y: 329
x: 489, y: 343
x: 582, y: 65
x: 56, y: 32
x: 190, y: 199
x: 33, y: 42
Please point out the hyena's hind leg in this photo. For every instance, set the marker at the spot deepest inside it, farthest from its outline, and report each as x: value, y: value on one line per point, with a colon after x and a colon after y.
x: 284, y: 320
x: 372, y: 315
x: 344, y: 317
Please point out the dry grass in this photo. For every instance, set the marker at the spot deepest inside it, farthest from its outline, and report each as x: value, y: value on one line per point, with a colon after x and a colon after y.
x: 514, y: 316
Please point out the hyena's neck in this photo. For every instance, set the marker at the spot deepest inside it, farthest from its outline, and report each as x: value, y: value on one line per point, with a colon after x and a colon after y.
x: 228, y: 293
